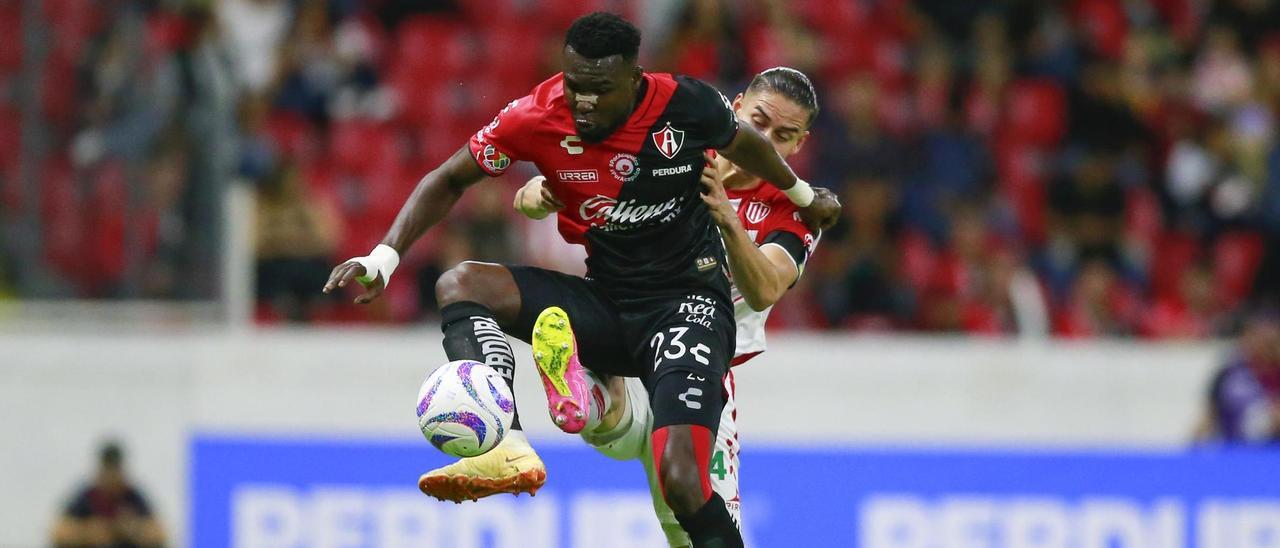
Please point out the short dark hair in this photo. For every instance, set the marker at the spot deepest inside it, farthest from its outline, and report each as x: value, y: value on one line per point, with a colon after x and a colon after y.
x: 111, y: 454
x: 789, y: 83
x: 602, y: 34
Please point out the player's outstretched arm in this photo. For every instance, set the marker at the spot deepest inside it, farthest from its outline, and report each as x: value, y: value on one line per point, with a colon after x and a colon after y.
x: 762, y: 274
x: 430, y: 201
x: 752, y: 152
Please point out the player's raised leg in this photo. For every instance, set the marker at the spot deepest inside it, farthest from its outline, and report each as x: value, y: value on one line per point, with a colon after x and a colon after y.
x: 476, y: 299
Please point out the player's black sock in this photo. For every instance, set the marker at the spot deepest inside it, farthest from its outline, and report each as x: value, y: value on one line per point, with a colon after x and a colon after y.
x: 712, y: 526
x: 472, y: 333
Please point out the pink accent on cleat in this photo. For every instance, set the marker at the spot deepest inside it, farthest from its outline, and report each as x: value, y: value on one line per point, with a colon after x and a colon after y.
x: 555, y: 351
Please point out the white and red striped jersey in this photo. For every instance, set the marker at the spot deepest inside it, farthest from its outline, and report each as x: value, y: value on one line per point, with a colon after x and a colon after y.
x: 769, y: 218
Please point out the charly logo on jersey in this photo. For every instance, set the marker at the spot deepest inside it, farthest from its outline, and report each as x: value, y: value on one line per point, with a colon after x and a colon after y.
x: 624, y: 167
x: 628, y: 213
x: 668, y: 140
x: 757, y: 211
x: 494, y: 159
x: 570, y: 146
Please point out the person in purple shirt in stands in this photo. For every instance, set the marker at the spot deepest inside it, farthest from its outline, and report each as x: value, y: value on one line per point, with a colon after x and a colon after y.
x: 1243, y: 404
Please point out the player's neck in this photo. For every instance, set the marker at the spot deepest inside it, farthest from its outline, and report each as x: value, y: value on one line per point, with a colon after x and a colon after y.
x: 737, y: 180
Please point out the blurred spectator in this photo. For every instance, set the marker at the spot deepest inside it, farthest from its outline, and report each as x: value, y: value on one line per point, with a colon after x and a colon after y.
x: 110, y: 512
x: 1098, y: 303
x: 255, y: 30
x: 295, y: 234
x: 854, y: 277
x: 1243, y: 404
x: 1087, y: 208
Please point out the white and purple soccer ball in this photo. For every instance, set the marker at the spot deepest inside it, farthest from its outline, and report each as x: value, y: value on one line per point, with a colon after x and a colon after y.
x: 465, y: 408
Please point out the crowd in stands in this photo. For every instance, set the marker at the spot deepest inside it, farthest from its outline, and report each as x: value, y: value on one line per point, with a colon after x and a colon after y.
x: 1077, y: 168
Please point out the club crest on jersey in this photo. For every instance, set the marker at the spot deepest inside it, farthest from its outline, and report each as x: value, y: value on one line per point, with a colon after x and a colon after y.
x: 495, y: 160
x: 757, y: 211
x: 668, y: 140
x: 624, y: 167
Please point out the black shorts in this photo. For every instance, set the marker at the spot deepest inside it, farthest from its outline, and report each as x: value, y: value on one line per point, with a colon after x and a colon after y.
x: 679, y: 345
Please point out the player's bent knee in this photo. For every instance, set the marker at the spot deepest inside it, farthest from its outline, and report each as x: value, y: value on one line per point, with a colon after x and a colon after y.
x: 475, y: 282
x: 681, y: 461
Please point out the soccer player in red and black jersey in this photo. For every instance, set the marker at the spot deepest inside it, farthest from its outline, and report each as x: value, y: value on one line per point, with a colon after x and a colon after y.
x: 767, y: 246
x: 623, y: 149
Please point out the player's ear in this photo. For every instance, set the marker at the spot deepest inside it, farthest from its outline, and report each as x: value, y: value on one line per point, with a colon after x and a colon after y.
x: 636, y: 76
x: 800, y: 143
x: 737, y: 102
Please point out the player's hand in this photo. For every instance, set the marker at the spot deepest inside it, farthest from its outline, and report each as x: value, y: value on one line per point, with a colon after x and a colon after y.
x: 714, y: 196
x: 535, y: 201
x: 823, y: 212
x: 350, y: 270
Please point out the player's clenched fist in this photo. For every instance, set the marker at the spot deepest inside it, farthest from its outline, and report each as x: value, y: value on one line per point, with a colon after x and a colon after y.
x: 535, y: 201
x: 823, y: 212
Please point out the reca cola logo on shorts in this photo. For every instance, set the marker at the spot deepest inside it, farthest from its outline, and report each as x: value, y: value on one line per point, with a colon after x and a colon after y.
x: 495, y: 160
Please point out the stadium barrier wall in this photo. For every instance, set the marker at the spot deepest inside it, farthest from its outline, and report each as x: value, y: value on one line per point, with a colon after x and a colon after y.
x: 844, y: 406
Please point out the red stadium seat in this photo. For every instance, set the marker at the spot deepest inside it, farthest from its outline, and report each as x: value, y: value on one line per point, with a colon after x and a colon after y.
x: 1175, y: 252
x: 357, y: 144
x: 918, y: 260
x: 1236, y: 258
x: 58, y: 90
x: 1143, y: 218
x: 293, y: 135
x: 1104, y: 25
x: 72, y: 23
x: 11, y: 46
x: 62, y: 219
x: 1036, y: 112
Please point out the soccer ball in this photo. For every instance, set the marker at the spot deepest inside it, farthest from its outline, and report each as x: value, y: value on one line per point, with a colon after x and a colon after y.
x: 465, y: 408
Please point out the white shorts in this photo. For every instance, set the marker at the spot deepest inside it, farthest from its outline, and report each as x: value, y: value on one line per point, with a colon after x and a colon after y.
x: 635, y: 444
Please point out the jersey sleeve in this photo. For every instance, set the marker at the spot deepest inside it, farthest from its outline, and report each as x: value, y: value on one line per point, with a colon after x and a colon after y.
x: 496, y: 146
x: 712, y: 112
x: 786, y: 230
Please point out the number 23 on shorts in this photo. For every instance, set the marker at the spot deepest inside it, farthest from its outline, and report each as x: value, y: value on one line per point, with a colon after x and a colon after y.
x: 675, y: 348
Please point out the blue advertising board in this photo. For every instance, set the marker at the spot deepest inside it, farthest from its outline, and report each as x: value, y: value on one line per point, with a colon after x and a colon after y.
x: 262, y: 492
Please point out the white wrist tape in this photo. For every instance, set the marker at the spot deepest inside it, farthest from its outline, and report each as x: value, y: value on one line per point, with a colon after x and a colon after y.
x: 800, y: 194
x: 381, y: 261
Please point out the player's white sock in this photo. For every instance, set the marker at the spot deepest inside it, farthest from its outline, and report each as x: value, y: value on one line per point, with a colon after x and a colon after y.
x: 598, y: 401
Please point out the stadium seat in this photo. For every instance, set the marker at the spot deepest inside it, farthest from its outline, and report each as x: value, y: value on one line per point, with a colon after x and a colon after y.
x: 918, y: 259
x: 1174, y: 253
x: 1104, y: 24
x: 61, y: 219
x: 293, y: 135
x: 1036, y: 112
x: 11, y: 47
x: 1236, y: 258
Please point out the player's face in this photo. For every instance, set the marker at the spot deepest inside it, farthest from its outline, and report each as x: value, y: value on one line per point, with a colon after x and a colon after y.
x: 781, y: 120
x: 601, y: 93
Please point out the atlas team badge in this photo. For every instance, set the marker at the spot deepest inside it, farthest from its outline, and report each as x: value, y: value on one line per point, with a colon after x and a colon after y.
x: 668, y: 140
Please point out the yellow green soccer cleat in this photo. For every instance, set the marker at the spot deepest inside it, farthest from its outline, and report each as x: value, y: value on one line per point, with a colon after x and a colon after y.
x: 555, y: 350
